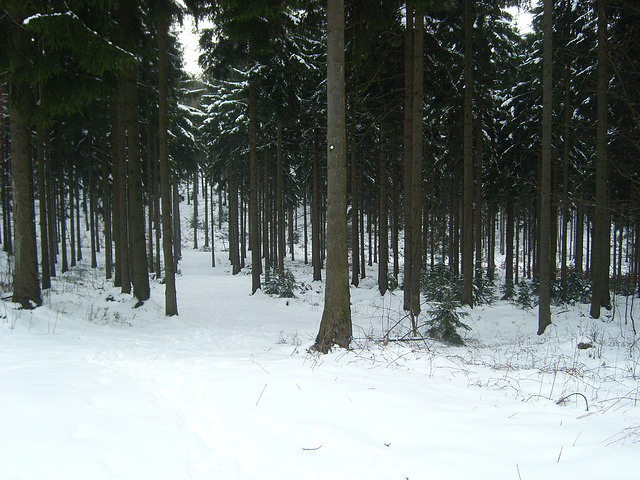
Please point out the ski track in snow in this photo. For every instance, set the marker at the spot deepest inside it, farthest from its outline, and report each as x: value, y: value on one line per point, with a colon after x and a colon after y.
x: 91, y: 388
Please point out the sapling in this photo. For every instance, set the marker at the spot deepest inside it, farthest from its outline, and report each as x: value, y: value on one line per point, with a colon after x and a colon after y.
x: 445, y: 321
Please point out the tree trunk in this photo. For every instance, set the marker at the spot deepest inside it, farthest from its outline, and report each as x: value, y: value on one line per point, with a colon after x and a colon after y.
x: 600, y: 245
x: 213, y: 224
x: 44, y: 234
x: 467, y: 195
x: 62, y: 212
x: 106, y: 211
x: 544, y: 307
x: 478, y: 200
x: 195, y: 210
x: 416, y: 169
x: 205, y: 193
x: 280, y: 221
x: 92, y: 213
x: 137, y: 243
x: 395, y: 237
x: 177, y: 231
x: 3, y: 158
x: 150, y: 203
x: 254, y: 207
x: 304, y: 226
x: 26, y: 284
x: 355, y: 226
x: 335, y: 327
x: 170, y: 296
x: 565, y: 185
x: 316, y: 227
x: 383, y: 261
x: 408, y: 152
x: 509, y: 249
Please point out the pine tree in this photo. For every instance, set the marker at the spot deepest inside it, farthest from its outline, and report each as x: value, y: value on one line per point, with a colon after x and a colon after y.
x: 335, y: 327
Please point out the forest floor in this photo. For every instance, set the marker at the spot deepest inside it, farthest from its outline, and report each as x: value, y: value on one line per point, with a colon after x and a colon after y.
x: 93, y: 388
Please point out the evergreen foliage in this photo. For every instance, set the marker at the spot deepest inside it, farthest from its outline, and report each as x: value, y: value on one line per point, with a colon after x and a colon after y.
x: 446, y: 319
x: 282, y: 285
x: 524, y: 295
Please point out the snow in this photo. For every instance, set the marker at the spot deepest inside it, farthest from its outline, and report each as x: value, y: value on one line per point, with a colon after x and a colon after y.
x: 92, y: 388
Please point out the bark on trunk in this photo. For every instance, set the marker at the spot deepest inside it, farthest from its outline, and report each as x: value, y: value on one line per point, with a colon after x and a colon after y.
x: 601, y: 227
x: 170, y: 296
x: 335, y: 327
x: 544, y: 306
x: 467, y: 195
x: 383, y: 263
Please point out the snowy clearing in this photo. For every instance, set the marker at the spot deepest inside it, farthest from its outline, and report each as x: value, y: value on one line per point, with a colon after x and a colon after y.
x: 92, y: 388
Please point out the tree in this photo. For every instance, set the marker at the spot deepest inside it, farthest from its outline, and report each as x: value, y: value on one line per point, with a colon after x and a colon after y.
x: 170, y: 302
x: 26, y: 284
x: 544, y: 306
x: 335, y: 327
x: 467, y: 222
x: 137, y: 243
x: 601, y: 222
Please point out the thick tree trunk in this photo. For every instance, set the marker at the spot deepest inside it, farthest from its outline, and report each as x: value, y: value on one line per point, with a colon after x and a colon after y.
x: 137, y: 240
x: 601, y: 224
x: 335, y: 327
x: 26, y: 284
x: 544, y: 306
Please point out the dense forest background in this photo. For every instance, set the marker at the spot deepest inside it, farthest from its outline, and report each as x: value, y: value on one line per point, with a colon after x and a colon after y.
x: 466, y: 143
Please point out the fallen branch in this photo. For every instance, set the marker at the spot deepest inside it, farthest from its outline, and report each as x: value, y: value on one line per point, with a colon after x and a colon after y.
x: 310, y: 449
x: 570, y: 395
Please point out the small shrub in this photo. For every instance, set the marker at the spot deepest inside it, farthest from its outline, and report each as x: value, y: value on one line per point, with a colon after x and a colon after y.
x: 281, y: 285
x: 577, y: 290
x: 508, y: 291
x: 446, y: 320
x: 524, y: 295
x: 483, y: 293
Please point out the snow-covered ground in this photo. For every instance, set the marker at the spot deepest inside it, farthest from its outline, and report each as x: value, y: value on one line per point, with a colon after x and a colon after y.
x: 92, y: 388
